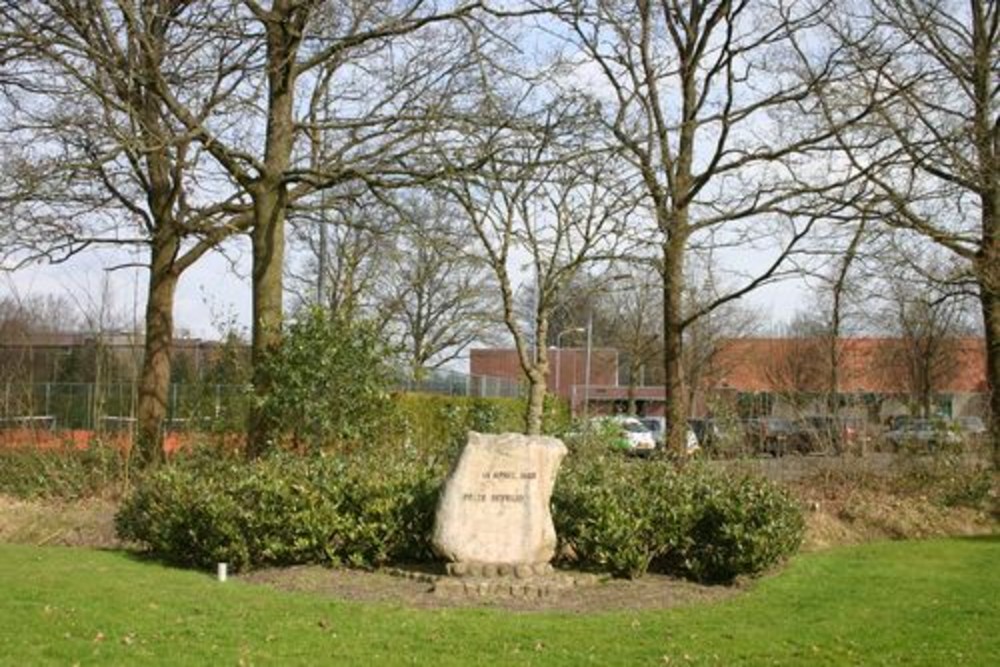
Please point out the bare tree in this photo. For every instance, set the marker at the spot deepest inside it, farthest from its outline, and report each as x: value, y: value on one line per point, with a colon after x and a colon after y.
x: 926, y: 319
x: 931, y: 151
x: 796, y: 366
x: 544, y: 206
x: 705, y: 338
x: 351, y: 94
x: 409, y: 265
x: 851, y: 256
x: 705, y: 97
x: 628, y: 318
x: 92, y: 157
x: 345, y: 249
x: 435, y: 291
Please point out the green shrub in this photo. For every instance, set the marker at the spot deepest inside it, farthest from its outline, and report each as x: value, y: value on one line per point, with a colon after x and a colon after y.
x: 947, y: 477
x: 330, y: 383
x: 439, y: 425
x: 284, y: 509
x: 742, y: 526
x: 620, y: 515
x: 617, y: 514
x: 627, y: 516
x: 65, y: 472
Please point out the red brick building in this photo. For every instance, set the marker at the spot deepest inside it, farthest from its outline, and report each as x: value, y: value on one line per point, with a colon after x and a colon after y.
x: 567, y: 370
x: 876, y: 377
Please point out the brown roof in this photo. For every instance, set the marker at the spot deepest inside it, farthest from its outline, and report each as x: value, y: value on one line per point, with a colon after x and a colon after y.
x: 877, y: 365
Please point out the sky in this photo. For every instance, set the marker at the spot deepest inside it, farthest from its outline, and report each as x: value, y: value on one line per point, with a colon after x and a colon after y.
x: 213, y: 297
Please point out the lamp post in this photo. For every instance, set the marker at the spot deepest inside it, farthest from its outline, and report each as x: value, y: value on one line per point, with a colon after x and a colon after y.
x: 559, y: 348
x: 590, y: 338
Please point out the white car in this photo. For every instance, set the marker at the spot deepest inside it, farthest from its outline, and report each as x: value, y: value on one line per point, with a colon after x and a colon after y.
x: 658, y: 427
x: 635, y: 437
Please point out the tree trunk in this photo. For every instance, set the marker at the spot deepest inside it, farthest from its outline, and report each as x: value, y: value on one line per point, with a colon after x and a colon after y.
x: 538, y: 374
x: 154, y: 381
x: 634, y: 368
x: 673, y: 363
x: 284, y: 24
x: 535, y: 415
x: 268, y: 263
x: 991, y: 318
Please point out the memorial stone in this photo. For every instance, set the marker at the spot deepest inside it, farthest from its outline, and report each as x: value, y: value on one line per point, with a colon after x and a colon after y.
x: 493, y: 515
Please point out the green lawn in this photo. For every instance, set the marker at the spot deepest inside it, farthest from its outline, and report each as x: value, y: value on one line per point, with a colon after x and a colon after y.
x: 912, y: 603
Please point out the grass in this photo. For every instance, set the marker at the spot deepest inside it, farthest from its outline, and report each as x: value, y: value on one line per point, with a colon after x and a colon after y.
x: 912, y: 603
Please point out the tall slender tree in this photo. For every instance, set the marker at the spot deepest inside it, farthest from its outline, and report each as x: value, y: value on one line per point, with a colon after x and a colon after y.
x: 704, y: 98
x: 931, y: 153
x: 543, y: 206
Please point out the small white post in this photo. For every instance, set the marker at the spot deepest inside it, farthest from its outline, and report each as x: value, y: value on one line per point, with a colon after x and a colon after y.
x: 223, y: 571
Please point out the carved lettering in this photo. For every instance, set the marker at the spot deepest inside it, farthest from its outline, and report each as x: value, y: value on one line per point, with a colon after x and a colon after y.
x: 507, y: 498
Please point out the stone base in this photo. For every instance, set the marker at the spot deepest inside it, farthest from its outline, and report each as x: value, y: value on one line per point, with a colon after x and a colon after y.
x: 473, y: 584
x: 503, y: 570
x: 528, y: 588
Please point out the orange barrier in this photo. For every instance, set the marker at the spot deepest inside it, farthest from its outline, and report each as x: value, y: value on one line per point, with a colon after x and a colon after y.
x: 81, y: 439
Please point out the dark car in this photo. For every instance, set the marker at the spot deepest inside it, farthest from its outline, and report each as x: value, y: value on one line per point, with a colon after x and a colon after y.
x: 830, y: 435
x: 921, y: 434
x: 719, y: 437
x: 775, y: 436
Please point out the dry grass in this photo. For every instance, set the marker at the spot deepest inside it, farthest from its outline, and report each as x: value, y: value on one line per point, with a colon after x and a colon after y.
x: 87, y: 523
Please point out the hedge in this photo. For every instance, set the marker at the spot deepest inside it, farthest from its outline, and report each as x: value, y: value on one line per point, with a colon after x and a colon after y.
x: 615, y: 515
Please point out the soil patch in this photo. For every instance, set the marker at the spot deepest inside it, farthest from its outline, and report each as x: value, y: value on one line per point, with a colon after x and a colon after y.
x: 594, y: 594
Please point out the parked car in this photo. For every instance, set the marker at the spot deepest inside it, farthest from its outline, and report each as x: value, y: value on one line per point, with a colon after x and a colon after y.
x: 972, y: 428
x: 776, y: 436
x: 829, y: 434
x: 658, y: 427
x: 922, y: 433
x: 630, y: 433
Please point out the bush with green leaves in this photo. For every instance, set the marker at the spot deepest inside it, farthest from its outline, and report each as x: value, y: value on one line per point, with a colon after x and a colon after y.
x: 742, y: 526
x: 618, y: 514
x: 284, y: 509
x: 67, y: 472
x: 330, y: 383
x: 439, y: 425
x: 628, y: 516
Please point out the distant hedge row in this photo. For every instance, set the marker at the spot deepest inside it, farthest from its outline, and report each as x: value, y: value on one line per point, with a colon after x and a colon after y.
x: 440, y: 424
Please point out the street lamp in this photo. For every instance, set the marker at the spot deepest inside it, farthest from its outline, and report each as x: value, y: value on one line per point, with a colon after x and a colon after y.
x: 559, y: 353
x: 590, y: 336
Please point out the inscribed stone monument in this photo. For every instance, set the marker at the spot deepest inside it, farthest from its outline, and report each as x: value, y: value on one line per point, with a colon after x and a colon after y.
x: 493, y: 516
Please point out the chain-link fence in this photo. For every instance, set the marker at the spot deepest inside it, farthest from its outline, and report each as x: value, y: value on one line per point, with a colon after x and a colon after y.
x: 194, y: 406
x: 453, y: 383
